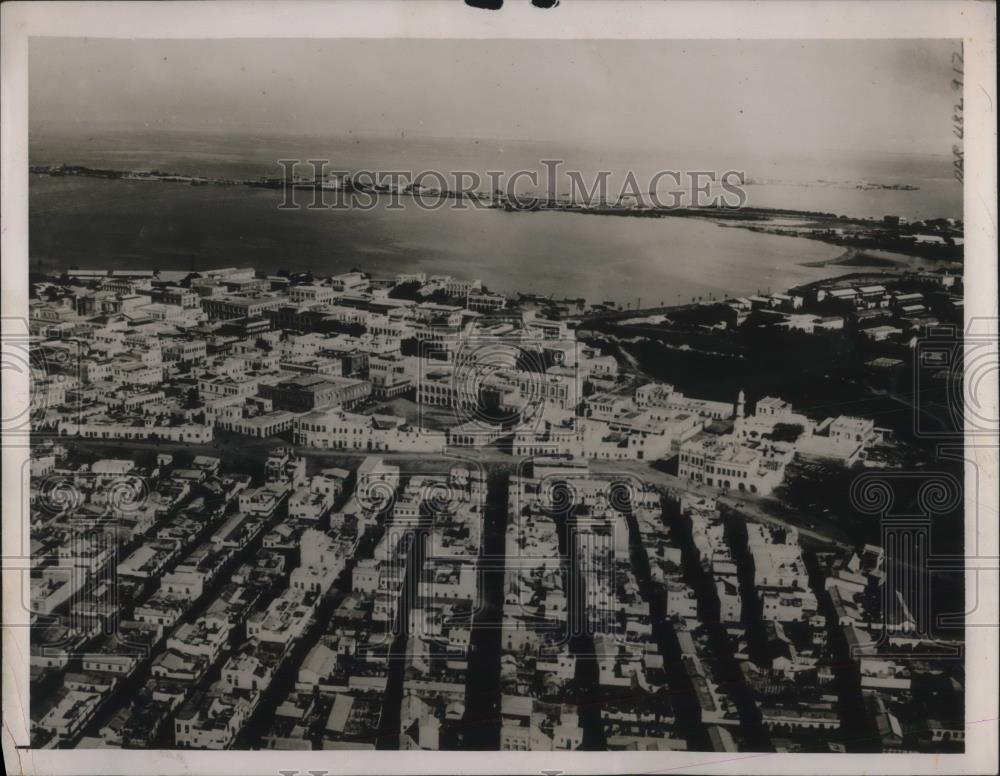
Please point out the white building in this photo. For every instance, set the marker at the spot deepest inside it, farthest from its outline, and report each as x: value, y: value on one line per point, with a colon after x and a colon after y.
x: 726, y: 463
x: 341, y: 430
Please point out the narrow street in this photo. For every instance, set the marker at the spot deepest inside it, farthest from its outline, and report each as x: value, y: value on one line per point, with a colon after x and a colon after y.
x: 580, y: 640
x: 481, y: 724
x: 399, y: 656
x: 681, y: 692
x: 856, y: 728
x: 129, y: 686
x: 727, y: 669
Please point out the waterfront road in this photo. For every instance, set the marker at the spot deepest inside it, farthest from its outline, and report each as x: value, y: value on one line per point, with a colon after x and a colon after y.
x: 243, y: 454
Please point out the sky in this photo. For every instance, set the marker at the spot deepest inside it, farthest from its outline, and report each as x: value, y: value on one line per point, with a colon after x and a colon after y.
x: 761, y: 97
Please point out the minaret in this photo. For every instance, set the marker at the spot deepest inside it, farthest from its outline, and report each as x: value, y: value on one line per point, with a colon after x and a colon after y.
x: 741, y: 401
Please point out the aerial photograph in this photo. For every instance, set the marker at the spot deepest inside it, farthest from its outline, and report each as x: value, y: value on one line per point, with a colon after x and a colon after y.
x: 496, y: 395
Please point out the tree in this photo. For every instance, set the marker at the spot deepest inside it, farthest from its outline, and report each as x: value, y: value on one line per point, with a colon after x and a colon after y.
x: 439, y: 297
x: 786, y: 432
x: 408, y: 291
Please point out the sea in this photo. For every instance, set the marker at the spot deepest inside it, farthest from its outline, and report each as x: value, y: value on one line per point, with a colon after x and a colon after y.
x: 94, y: 223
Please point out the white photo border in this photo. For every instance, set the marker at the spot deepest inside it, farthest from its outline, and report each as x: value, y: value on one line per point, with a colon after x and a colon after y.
x: 972, y: 22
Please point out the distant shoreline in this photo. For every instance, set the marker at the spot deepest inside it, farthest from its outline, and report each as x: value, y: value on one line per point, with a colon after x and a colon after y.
x: 855, y: 258
x: 937, y: 240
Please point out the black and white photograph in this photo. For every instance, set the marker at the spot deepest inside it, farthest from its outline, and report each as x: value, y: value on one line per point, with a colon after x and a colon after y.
x: 467, y: 382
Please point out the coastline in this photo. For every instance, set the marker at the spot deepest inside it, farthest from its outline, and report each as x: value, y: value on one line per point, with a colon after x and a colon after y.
x: 933, y: 239
x: 145, y: 226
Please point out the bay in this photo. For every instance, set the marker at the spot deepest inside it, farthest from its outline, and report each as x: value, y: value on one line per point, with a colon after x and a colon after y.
x: 92, y: 223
